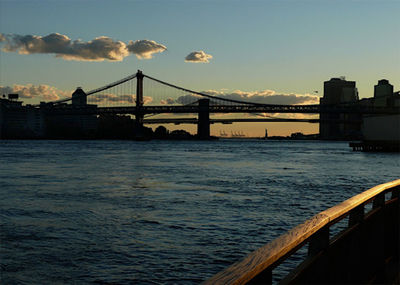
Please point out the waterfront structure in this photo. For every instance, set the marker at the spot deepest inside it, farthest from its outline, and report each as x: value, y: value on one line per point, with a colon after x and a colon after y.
x: 339, y: 91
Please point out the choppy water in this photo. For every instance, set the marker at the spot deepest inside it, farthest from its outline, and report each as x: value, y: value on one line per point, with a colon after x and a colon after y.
x: 163, y: 212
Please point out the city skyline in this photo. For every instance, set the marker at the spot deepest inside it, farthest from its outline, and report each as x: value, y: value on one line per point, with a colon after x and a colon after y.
x: 286, y: 48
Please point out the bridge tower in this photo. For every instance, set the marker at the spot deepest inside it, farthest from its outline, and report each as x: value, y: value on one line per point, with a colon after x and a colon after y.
x: 203, y: 125
x: 139, y: 101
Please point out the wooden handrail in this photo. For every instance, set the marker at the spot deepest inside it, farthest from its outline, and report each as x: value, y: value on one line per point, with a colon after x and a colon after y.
x: 270, y: 255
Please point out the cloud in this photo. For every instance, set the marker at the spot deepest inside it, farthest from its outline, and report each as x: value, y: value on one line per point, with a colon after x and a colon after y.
x: 101, y: 98
x: 261, y: 97
x: 285, y: 115
x: 145, y: 48
x: 147, y: 100
x: 198, y: 56
x: 122, y: 99
x: 168, y: 101
x: 100, y: 49
x: 188, y: 99
x: 30, y: 91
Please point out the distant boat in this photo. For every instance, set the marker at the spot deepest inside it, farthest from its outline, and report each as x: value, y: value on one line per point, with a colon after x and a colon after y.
x: 223, y: 134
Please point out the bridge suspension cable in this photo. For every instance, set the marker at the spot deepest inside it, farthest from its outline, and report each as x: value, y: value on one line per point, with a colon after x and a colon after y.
x: 133, y: 76
x: 200, y: 93
x: 108, y: 86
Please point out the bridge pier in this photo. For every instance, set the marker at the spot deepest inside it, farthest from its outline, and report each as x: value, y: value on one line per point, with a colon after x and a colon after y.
x: 203, y: 125
x: 139, y: 104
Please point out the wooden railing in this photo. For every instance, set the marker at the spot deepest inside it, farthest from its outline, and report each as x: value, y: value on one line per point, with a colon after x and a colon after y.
x: 365, y: 251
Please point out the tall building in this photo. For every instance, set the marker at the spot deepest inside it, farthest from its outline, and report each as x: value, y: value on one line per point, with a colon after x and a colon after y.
x: 383, y: 88
x: 333, y: 126
x: 383, y: 93
x: 382, y: 127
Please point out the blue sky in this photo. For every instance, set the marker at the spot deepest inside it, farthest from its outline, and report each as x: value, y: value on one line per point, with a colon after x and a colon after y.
x: 285, y: 46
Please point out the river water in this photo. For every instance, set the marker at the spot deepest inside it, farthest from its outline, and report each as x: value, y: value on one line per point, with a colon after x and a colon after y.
x: 163, y: 212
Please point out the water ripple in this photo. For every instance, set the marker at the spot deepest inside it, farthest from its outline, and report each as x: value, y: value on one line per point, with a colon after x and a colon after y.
x: 121, y: 212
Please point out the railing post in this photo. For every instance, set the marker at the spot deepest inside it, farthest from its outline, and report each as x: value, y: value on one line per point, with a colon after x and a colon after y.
x: 264, y: 277
x: 356, y: 245
x: 319, y: 241
x: 379, y: 201
x: 356, y: 215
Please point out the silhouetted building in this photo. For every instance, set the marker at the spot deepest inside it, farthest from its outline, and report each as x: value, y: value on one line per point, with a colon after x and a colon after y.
x: 383, y: 92
x: 79, y: 97
x: 20, y: 122
x: 382, y: 127
x: 338, y: 91
x: 383, y: 89
x: 73, y: 120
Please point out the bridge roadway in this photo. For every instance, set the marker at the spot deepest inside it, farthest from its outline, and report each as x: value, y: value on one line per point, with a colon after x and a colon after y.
x: 310, y: 109
x: 178, y: 121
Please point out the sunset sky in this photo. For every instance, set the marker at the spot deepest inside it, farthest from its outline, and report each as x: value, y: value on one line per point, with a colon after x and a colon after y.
x: 257, y: 48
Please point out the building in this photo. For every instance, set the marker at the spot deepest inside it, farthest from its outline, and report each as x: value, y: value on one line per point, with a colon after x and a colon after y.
x: 382, y: 127
x: 79, y: 97
x: 77, y: 120
x: 20, y: 122
x: 335, y: 126
x: 70, y: 120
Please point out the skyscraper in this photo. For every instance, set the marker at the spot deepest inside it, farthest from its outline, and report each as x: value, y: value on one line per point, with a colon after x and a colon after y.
x: 332, y: 126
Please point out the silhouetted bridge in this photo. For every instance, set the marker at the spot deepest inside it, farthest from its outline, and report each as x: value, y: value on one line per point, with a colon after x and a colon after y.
x: 126, y: 96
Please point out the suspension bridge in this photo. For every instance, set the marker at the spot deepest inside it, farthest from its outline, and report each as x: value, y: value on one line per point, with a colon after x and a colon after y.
x: 144, y: 97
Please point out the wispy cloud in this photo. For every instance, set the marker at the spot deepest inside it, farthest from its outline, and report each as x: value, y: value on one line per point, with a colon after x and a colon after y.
x: 100, y: 49
x: 198, y: 56
x: 30, y: 91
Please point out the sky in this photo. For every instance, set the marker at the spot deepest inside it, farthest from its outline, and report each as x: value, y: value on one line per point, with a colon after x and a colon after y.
x: 253, y: 48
